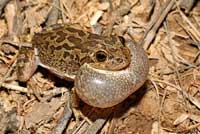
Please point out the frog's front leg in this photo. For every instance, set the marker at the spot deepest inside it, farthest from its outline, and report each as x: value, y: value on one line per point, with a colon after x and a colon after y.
x: 75, y: 101
x: 27, y: 63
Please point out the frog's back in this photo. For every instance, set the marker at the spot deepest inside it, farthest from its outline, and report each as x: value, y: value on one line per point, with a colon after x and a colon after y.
x: 58, y: 50
x: 64, y: 48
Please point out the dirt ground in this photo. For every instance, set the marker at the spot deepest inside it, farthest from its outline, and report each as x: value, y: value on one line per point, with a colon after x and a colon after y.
x: 168, y: 103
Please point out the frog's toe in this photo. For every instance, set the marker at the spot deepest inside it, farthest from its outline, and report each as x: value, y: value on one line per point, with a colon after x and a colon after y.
x: 75, y: 108
x: 78, y: 115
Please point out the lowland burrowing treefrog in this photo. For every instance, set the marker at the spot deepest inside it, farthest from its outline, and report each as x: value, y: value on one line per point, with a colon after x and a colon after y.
x: 74, y: 54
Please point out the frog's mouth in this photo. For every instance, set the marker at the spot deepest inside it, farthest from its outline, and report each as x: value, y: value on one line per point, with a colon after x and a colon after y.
x: 112, y: 65
x: 118, y: 64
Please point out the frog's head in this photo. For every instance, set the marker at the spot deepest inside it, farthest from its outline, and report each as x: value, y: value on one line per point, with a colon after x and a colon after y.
x: 110, y: 53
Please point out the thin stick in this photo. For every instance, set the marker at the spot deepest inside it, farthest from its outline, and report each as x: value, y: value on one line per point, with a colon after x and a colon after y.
x: 8, y: 73
x: 147, y: 39
x: 189, y: 97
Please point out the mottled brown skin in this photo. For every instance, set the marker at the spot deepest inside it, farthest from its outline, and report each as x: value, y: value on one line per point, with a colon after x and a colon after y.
x: 26, y: 63
x: 63, y: 49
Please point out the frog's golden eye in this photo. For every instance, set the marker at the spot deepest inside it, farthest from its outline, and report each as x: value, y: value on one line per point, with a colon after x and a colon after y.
x: 101, y: 56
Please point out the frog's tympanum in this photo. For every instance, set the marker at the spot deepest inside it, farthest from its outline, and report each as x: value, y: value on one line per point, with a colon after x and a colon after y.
x: 106, y: 70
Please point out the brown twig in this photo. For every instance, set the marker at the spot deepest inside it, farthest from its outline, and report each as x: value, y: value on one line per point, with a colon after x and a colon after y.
x: 66, y: 116
x: 194, y: 31
x: 189, y: 128
x: 50, y: 93
x: 115, y: 14
x: 148, y: 38
x: 159, y: 103
x: 14, y: 87
x: 7, y: 74
x: 189, y: 97
x: 96, y: 126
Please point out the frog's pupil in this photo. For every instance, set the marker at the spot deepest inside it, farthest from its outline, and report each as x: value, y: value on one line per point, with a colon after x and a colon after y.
x: 101, y: 56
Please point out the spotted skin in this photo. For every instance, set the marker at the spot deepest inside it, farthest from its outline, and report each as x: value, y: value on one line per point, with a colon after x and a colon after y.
x: 63, y: 49
x: 106, y: 70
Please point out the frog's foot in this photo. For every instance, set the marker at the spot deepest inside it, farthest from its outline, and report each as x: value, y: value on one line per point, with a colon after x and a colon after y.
x: 79, y: 115
x: 76, y: 111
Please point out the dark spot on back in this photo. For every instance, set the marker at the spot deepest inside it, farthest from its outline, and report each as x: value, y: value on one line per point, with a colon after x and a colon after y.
x: 86, y: 59
x: 52, y: 37
x: 71, y: 56
x: 46, y: 43
x: 61, y: 36
x: 57, y: 48
x: 52, y: 48
x: 66, y: 46
x: 61, y: 33
x: 66, y: 54
x: 95, y: 36
x: 80, y: 33
x: 60, y: 39
x: 74, y: 40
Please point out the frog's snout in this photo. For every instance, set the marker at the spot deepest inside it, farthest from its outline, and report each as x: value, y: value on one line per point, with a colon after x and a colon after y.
x: 118, y: 64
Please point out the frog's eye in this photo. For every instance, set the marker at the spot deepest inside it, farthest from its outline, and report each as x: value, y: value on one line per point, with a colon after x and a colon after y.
x: 101, y: 56
x: 122, y: 40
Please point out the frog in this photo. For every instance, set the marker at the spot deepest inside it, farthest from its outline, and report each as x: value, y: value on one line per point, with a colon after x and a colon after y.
x: 105, y: 69
x: 64, y: 48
